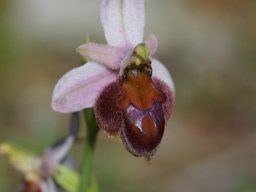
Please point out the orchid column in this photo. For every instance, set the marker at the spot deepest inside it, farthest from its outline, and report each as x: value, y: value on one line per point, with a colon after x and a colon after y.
x: 131, y: 92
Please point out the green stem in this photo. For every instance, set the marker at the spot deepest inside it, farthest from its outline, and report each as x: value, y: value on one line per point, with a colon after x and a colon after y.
x: 90, y: 140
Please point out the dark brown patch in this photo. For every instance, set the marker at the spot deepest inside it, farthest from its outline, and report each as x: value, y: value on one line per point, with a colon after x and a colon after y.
x: 107, y: 112
x: 169, y: 96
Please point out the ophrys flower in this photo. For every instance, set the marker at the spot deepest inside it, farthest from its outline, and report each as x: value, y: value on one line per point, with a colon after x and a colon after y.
x: 131, y: 92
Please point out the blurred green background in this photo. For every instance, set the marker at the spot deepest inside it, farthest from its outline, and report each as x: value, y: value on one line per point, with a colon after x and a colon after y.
x: 209, y: 46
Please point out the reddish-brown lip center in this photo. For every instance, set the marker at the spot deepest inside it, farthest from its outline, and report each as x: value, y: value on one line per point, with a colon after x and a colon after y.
x: 144, y: 118
x: 136, y: 106
x: 139, y: 90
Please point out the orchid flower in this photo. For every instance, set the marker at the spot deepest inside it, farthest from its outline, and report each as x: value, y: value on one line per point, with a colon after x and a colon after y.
x: 38, y: 172
x: 132, y: 93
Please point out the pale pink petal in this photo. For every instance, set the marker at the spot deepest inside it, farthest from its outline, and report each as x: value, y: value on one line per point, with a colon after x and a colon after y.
x: 78, y: 88
x: 112, y: 22
x: 104, y: 54
x: 151, y: 42
x: 160, y: 71
x: 134, y: 21
x: 123, y: 22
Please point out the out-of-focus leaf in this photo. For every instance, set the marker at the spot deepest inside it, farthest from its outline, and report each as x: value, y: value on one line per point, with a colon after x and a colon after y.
x: 67, y: 178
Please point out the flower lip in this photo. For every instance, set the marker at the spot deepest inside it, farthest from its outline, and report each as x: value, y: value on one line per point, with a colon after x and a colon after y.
x: 141, y: 126
x: 143, y: 130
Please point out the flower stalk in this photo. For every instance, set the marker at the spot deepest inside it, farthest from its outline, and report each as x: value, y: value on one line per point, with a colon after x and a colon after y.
x: 89, y: 146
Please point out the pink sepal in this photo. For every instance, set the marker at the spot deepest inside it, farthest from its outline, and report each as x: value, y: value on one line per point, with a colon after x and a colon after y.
x: 160, y: 71
x: 123, y: 22
x: 79, y: 87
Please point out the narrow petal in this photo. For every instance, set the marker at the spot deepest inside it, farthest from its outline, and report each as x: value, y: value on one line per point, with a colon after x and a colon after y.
x: 58, y: 152
x: 160, y: 71
x: 78, y: 88
x: 152, y: 43
x: 123, y: 22
x: 104, y: 54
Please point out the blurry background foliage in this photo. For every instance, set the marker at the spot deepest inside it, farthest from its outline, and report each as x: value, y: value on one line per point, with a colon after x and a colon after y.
x: 209, y: 46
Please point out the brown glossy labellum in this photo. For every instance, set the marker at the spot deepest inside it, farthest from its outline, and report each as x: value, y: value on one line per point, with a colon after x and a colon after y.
x: 136, y: 106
